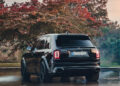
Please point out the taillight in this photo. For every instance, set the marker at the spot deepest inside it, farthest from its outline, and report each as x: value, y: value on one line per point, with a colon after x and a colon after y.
x: 96, y: 51
x: 57, y: 54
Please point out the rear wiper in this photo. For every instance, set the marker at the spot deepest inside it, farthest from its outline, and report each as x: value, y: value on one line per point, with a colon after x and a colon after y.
x: 86, y: 47
x: 69, y: 47
x: 75, y: 47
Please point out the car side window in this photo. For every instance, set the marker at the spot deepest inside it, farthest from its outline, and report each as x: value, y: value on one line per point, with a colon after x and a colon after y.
x: 40, y: 44
x: 47, y: 43
x: 44, y: 43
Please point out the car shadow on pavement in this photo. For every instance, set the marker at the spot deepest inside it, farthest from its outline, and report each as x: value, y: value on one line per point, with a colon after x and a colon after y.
x: 57, y: 82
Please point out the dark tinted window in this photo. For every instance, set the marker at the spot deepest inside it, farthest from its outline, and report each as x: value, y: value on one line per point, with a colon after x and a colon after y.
x: 47, y: 43
x: 44, y: 43
x: 40, y: 44
x: 73, y: 41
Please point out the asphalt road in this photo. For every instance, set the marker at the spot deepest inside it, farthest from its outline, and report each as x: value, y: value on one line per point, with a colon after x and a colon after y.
x: 13, y: 78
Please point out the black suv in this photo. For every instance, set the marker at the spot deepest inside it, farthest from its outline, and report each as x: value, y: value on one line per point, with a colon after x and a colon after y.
x: 62, y: 55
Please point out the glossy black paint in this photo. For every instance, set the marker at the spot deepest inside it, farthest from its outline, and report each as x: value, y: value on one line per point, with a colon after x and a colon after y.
x: 73, y: 66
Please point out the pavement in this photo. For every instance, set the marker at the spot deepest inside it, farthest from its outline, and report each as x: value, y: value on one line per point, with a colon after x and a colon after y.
x: 12, y: 77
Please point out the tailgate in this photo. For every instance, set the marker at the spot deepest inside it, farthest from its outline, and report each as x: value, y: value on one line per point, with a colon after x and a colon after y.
x: 77, y: 55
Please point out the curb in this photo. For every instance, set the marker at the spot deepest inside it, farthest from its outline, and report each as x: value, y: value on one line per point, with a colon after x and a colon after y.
x: 9, y: 68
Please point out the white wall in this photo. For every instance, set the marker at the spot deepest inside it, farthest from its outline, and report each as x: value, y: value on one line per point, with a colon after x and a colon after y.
x: 113, y: 7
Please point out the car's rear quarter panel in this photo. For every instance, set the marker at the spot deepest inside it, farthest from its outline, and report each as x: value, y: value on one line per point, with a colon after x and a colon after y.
x: 32, y: 62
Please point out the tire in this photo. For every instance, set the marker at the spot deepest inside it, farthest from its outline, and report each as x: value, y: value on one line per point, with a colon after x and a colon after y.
x: 43, y: 75
x: 92, y: 77
x: 24, y: 73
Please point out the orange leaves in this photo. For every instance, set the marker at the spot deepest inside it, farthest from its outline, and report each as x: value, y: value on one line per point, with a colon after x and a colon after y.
x: 78, y: 9
x: 62, y: 16
x: 54, y: 11
x: 54, y: 7
x: 1, y: 5
x: 38, y: 19
x: 77, y: 1
x: 85, y: 14
x: 3, y: 10
x: 34, y: 13
x: 82, y: 12
x: 1, y: 22
x: 35, y: 2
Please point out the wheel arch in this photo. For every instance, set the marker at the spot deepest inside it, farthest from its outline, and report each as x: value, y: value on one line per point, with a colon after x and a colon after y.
x: 23, y: 61
x: 44, y: 59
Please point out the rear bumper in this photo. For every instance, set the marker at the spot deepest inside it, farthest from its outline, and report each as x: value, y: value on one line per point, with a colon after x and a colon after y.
x: 75, y: 70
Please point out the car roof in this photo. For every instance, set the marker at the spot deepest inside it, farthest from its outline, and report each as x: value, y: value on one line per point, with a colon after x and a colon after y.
x: 56, y: 34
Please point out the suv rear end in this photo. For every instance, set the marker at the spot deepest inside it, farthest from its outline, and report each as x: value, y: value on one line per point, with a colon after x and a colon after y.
x: 75, y: 55
x: 61, y: 55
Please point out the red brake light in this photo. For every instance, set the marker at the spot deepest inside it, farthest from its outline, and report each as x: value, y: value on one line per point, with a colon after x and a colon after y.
x: 97, y: 53
x: 57, y: 54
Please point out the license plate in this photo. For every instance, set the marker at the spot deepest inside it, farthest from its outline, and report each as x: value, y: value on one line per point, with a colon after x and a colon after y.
x: 82, y: 53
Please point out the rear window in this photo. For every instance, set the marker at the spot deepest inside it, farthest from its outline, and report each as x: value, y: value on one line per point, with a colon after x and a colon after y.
x: 73, y: 41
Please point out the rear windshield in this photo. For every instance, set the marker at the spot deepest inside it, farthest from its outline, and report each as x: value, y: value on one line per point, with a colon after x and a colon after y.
x: 73, y: 41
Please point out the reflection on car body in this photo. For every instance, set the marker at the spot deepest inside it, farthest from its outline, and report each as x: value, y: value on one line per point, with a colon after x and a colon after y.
x: 62, y: 55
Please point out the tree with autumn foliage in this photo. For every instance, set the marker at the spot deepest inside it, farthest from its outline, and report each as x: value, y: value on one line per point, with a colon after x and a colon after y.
x: 25, y: 21
x: 66, y: 11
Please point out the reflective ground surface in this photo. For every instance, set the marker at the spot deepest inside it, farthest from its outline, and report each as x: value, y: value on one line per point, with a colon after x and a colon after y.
x: 13, y: 78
